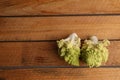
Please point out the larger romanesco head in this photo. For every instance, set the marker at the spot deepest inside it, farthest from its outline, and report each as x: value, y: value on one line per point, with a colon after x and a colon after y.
x: 94, y: 52
x: 69, y: 49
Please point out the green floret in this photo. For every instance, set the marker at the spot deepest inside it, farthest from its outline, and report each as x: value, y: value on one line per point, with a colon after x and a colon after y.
x: 94, y: 52
x: 69, y: 49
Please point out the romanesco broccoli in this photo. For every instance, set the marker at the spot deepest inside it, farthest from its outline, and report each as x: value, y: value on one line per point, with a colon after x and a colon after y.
x: 69, y: 48
x: 94, y: 52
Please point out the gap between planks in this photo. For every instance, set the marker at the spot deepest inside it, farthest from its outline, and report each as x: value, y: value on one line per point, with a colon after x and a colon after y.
x: 59, y: 15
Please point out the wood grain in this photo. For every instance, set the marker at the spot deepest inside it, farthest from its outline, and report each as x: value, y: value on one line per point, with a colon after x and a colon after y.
x: 53, y: 28
x: 61, y: 74
x: 27, y: 49
x: 43, y: 54
x: 53, y: 7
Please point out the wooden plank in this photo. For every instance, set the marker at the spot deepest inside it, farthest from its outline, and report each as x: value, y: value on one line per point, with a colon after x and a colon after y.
x: 29, y: 54
x: 44, y: 54
x: 61, y: 74
x: 52, y: 28
x: 53, y: 7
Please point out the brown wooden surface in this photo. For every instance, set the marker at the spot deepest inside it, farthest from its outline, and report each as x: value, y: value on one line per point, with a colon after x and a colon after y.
x: 61, y: 74
x: 53, y: 7
x: 43, y: 54
x: 53, y: 28
x: 29, y: 29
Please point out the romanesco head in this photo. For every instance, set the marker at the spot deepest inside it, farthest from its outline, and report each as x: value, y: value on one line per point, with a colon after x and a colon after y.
x: 69, y: 49
x: 94, y: 52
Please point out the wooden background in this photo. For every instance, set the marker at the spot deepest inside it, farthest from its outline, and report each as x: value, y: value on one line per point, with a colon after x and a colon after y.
x: 29, y: 30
